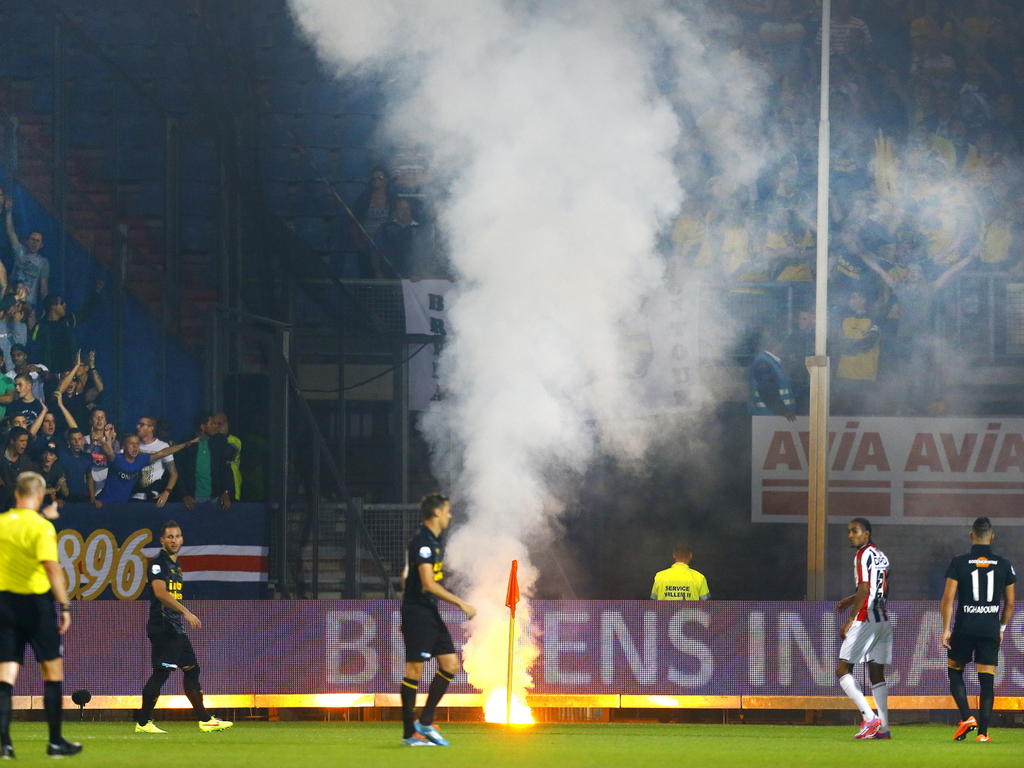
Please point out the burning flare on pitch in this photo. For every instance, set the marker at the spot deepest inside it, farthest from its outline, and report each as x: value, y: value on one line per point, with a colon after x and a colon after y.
x: 496, y: 632
x: 494, y: 709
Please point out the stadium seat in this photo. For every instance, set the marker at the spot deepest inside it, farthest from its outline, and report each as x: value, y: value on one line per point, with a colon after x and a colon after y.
x: 198, y: 233
x: 313, y: 198
x: 199, y: 159
x: 198, y: 198
x: 318, y: 232
x: 136, y: 162
x: 278, y: 196
x: 90, y: 129
x: 287, y: 95
x: 284, y: 164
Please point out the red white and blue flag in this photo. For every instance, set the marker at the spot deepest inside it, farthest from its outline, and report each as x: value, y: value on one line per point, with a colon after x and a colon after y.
x: 105, y: 552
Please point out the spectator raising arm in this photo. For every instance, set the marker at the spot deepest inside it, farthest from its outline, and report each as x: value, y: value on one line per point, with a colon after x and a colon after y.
x: 93, y: 392
x: 12, y: 236
x: 69, y: 377
x: 106, y: 441
x: 34, y: 429
x: 172, y: 449
x: 954, y: 270
x: 877, y: 268
x: 72, y: 424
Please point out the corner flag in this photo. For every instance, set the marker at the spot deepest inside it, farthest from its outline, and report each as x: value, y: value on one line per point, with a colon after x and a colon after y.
x: 512, y: 597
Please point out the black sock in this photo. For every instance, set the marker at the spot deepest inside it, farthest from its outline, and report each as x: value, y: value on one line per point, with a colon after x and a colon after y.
x: 409, y: 687
x: 194, y: 692
x: 6, y: 692
x: 958, y: 690
x: 986, y: 700
x: 150, y: 693
x: 53, y: 692
x: 437, y: 688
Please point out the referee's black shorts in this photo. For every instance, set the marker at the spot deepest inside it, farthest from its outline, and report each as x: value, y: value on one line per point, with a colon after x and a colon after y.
x: 28, y: 620
x: 424, y: 633
x: 172, y: 651
x: 982, y: 650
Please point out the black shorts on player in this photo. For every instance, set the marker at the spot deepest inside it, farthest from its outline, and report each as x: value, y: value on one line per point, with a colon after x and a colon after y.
x: 171, y: 650
x: 28, y: 620
x: 424, y: 633
x: 965, y: 648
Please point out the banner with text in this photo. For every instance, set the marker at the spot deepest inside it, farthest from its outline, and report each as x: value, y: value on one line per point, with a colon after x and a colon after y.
x: 913, y: 471
x: 426, y: 312
x: 103, y: 551
x: 620, y: 647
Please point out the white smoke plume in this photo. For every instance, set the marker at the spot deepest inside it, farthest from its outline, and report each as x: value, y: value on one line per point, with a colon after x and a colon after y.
x: 559, y: 128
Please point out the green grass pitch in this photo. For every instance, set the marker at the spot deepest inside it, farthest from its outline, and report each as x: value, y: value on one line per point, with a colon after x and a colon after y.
x: 369, y: 745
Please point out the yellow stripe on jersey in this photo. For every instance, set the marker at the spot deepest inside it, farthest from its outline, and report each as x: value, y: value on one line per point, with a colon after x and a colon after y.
x: 680, y: 582
x: 26, y: 540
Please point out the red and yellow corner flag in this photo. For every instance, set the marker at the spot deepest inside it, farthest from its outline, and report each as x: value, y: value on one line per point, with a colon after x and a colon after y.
x: 512, y: 597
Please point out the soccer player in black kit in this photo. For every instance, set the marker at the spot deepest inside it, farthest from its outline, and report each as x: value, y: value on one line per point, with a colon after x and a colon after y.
x: 171, y: 648
x: 979, y: 580
x: 423, y: 630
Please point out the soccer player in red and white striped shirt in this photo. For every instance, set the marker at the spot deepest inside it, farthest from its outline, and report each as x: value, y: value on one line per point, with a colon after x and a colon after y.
x: 867, y: 634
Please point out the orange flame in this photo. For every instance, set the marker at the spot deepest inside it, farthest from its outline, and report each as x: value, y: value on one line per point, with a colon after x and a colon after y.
x: 485, y: 655
x: 494, y: 709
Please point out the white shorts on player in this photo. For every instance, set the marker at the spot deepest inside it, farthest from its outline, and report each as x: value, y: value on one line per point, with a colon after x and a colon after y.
x: 868, y: 641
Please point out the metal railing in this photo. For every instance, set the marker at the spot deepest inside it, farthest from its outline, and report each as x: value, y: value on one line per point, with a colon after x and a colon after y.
x: 980, y: 314
x: 352, y: 550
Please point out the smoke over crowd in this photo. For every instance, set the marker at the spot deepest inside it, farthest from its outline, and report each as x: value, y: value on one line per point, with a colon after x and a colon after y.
x: 560, y: 130
x: 626, y: 190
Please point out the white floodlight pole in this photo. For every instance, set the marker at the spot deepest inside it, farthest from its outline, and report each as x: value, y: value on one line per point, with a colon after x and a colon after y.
x: 818, y: 365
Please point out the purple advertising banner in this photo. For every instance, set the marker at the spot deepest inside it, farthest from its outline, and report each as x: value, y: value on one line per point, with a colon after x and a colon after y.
x: 627, y: 647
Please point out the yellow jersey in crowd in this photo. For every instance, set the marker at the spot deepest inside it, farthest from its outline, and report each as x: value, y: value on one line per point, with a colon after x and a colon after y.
x: 680, y: 582
x: 26, y: 540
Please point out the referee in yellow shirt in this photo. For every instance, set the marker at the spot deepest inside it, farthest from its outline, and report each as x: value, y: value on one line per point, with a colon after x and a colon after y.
x: 680, y: 582
x: 31, y: 580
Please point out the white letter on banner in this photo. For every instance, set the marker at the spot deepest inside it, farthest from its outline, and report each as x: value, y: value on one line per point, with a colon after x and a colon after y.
x: 892, y: 674
x: 755, y: 648
x: 554, y: 646
x: 791, y: 629
x: 340, y: 650
x: 691, y: 647
x: 1016, y: 636
x: 397, y: 648
x: 929, y: 639
x: 613, y: 627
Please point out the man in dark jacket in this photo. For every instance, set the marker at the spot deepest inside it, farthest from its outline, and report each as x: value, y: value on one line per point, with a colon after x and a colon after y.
x: 52, y: 341
x: 770, y: 390
x: 204, y: 468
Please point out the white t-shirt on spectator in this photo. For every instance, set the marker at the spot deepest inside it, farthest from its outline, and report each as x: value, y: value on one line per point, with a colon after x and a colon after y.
x: 30, y: 268
x: 153, y: 472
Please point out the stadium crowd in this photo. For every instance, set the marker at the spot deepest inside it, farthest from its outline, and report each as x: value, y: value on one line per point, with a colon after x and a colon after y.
x: 52, y: 417
x: 927, y: 182
x: 927, y: 186
x: 926, y: 147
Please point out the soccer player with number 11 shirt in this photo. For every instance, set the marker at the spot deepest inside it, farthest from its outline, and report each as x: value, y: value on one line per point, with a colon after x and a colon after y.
x: 979, y: 580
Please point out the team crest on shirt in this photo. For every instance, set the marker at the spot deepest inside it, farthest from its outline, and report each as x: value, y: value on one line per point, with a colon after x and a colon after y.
x: 155, y: 568
x: 425, y: 551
